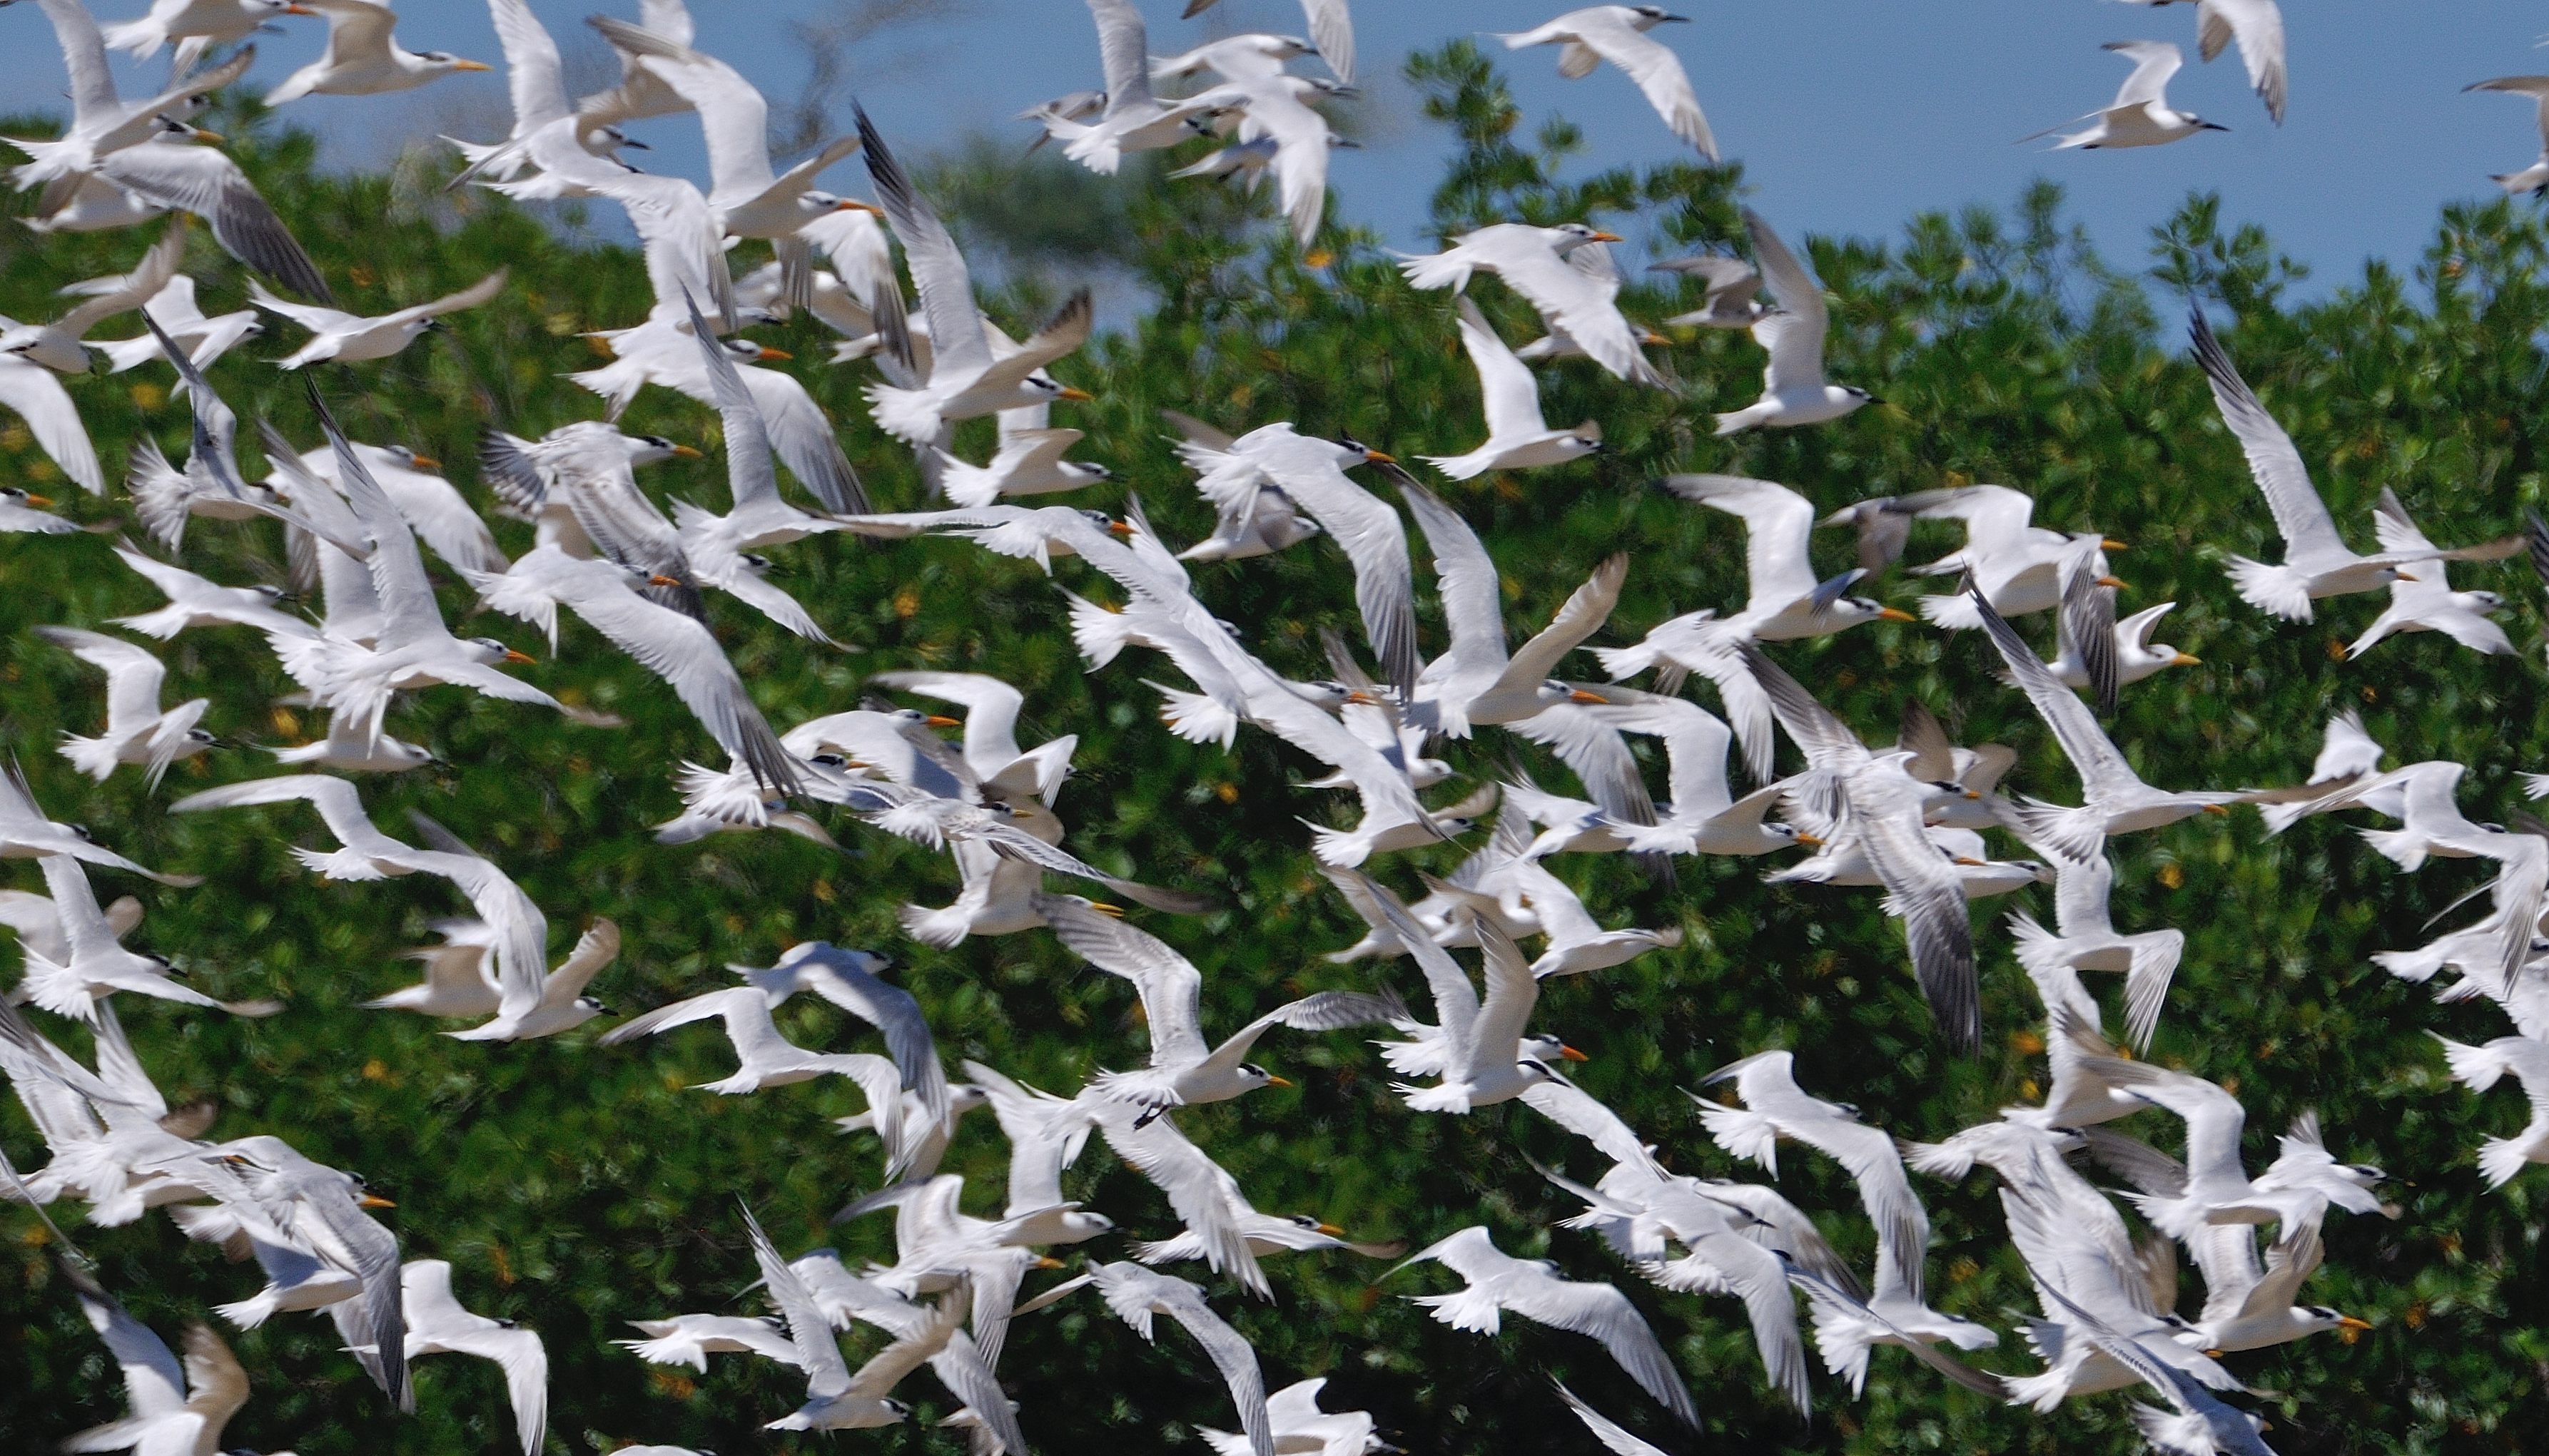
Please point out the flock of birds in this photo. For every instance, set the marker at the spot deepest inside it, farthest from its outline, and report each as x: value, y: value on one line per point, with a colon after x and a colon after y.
x: 1908, y: 818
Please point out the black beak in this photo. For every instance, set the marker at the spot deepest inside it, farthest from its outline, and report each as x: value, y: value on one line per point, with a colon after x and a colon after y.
x: 635, y: 145
x: 2210, y: 126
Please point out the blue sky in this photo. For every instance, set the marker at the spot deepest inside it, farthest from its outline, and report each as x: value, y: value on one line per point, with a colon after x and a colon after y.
x: 1850, y: 115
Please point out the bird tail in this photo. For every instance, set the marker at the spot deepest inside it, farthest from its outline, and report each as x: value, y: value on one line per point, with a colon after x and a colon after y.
x: 2034, y: 941
x: 127, y: 354
x: 250, y: 1313
x: 159, y: 494
x: 1954, y: 611
x: 139, y: 37
x: 943, y: 927
x: 1936, y: 1160
x: 909, y: 415
x: 2474, y: 1067
x: 1435, y: 270
x: 1447, y: 1097
x: 1743, y: 1132
x: 2499, y: 1158
x: 966, y: 484
x: 94, y: 757
x: 1182, y: 1247
x: 1623, y: 663
x: 1196, y: 717
x: 1343, y: 847
x: 1461, y: 467
x: 1843, y: 1340
x: 164, y: 623
x: 2045, y: 1390
x: 2278, y: 589
x: 56, y: 988
x: 2280, y: 818
x: 1101, y: 635
x: 1741, y: 420
x: 2418, y: 965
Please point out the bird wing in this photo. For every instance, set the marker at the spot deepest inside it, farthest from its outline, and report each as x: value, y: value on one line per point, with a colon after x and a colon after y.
x: 1584, y: 304
x: 357, y: 31
x: 1657, y: 72
x: 2092, y: 755
x: 154, y: 1384
x: 1609, y: 1432
x: 1578, y: 618
x: 2154, y: 61
x: 1464, y: 579
x: 1169, y: 985
x: 1796, y: 347
x: 703, y: 1007
x: 1506, y: 389
x: 735, y: 120
x: 1603, y: 1313
x: 1788, y: 283
x: 38, y: 398
x: 1202, y: 1193
x: 1124, y: 56
x: 891, y: 1010
x: 1582, y: 1112
x: 1231, y: 1354
x: 958, y: 347
x: 1923, y: 887
x: 92, y: 87
x: 134, y: 289
x: 2309, y: 533
x: 452, y: 303
x: 1456, y: 1000
x: 1494, y: 1044
x: 2258, y: 26
x: 2535, y: 87
x: 409, y: 613
x: 1778, y: 527
x: 1372, y: 538
x: 534, y: 74
x: 827, y: 1375
x: 202, y: 181
x: 133, y: 674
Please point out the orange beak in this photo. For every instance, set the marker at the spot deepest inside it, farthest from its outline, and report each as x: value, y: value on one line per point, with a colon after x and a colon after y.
x: 770, y: 353
x: 512, y: 656
x: 2112, y: 544
x: 1081, y: 396
x: 1815, y: 841
x: 1378, y: 458
x: 1652, y: 337
x: 660, y: 579
x: 1581, y: 696
x: 1970, y: 862
x: 1103, y: 908
x: 935, y: 721
x: 1894, y: 614
x: 35, y: 499
x: 1570, y: 1054
x: 457, y: 65
x: 1045, y: 1262
x: 1601, y: 236
x: 2186, y: 660
x: 207, y: 138
x: 847, y: 206
x: 686, y: 452
x: 2216, y: 809
x: 373, y: 1200
x: 2115, y: 581
x: 1332, y: 1230
x: 305, y: 10
x: 1273, y: 1080
x: 1119, y: 528
x: 423, y: 462
x: 2352, y: 1326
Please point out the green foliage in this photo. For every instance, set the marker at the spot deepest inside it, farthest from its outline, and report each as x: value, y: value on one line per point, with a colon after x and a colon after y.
x: 576, y: 1188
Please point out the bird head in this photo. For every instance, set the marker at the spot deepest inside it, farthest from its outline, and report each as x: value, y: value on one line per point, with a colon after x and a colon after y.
x: 896, y: 1408
x: 17, y: 497
x: 1260, y: 1076
x: 1054, y: 389
x: 1573, y: 235
x: 445, y: 61
x: 1362, y: 454
x: 1311, y: 1225
x: 592, y: 1006
x: 1649, y: 16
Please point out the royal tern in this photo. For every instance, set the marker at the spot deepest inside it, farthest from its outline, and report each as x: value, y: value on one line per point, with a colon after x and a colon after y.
x: 2316, y: 562
x: 1539, y: 263
x: 181, y: 1410
x: 1881, y: 807
x: 1794, y: 391
x: 1726, y: 291
x: 2085, y: 937
x: 195, y: 26
x: 96, y: 965
x: 173, y: 306
x: 2196, y: 1420
x: 2425, y: 602
x: 766, y: 1059
x: 21, y: 511
x: 351, y: 338
x: 1301, y: 1429
x: 688, y: 1339
x: 59, y: 345
x: 2478, y: 1068
x: 1135, y: 1295
x: 1185, y: 1069
x: 1517, y: 437
x: 1330, y: 26
x: 2018, y: 566
x: 326, y: 1208
x: 438, y: 1325
x: 1533, y: 1289
x: 990, y: 744
x: 1618, y: 34
x: 137, y: 731
x: 1097, y: 129
x: 25, y: 834
x: 362, y: 57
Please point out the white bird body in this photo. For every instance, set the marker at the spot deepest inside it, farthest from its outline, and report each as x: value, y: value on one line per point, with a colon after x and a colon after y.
x: 457, y: 979
x: 1301, y: 1429
x: 194, y: 27
x: 2478, y: 1068
x: 2535, y: 177
x: 172, y: 1411
x: 766, y: 1059
x: 1618, y: 34
x: 1127, y: 116
x: 98, y: 965
x: 1794, y: 391
x: 688, y: 1339
x: 2085, y: 937
x: 362, y: 57
x: 2425, y: 602
x: 205, y: 340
